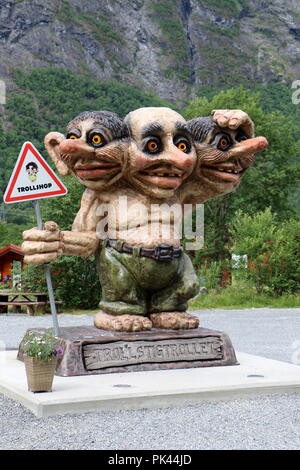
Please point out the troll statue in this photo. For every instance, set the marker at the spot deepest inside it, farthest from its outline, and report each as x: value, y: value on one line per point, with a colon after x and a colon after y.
x: 152, y: 159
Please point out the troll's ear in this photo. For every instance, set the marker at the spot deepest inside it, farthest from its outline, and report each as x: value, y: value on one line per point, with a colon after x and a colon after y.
x: 52, y: 141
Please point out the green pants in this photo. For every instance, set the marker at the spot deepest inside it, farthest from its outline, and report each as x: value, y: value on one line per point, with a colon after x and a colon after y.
x: 138, y: 285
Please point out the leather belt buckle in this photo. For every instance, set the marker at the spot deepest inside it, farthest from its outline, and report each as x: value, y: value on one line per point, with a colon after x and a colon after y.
x: 164, y: 252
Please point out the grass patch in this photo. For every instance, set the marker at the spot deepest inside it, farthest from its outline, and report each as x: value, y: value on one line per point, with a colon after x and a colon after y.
x: 227, y: 7
x: 102, y: 30
x: 230, y: 32
x: 79, y: 311
x: 66, y: 14
x: 239, y: 298
x: 230, y: 298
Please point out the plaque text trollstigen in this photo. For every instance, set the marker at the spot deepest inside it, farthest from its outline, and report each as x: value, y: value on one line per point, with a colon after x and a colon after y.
x: 99, y: 356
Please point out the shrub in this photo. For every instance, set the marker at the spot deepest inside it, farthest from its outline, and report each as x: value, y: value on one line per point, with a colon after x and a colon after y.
x: 211, y: 274
x: 273, y: 251
x: 75, y: 281
x: 283, y: 259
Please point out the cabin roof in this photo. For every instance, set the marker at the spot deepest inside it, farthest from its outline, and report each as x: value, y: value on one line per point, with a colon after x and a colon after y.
x: 11, y: 249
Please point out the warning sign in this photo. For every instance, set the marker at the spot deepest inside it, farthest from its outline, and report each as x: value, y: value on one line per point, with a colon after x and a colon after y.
x: 32, y: 178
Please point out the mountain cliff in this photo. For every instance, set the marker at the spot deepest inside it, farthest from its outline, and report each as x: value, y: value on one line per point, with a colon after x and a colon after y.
x: 172, y: 47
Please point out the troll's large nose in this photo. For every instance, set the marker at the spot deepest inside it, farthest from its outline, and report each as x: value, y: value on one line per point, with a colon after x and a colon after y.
x: 178, y: 158
x: 183, y: 161
x: 257, y: 144
x: 75, y: 147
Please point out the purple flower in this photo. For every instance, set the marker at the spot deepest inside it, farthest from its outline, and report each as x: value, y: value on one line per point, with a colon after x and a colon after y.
x: 58, y: 351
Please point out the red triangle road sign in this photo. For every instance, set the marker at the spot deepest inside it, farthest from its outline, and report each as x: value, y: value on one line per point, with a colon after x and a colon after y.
x: 32, y: 178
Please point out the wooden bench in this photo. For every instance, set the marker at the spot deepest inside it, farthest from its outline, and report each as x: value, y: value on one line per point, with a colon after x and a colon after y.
x: 31, y: 306
x: 22, y: 303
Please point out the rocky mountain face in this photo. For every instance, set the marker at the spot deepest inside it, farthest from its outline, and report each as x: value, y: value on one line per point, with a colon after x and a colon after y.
x: 169, y: 46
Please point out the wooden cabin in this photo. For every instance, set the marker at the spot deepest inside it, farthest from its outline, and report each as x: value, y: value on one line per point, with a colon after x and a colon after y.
x: 8, y: 255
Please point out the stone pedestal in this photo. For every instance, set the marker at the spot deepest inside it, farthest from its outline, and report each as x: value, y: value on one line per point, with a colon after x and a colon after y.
x: 89, y: 350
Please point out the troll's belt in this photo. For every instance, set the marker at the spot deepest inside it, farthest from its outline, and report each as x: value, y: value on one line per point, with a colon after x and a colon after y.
x: 161, y: 252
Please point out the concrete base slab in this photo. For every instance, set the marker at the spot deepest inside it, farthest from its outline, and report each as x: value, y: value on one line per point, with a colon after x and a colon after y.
x: 148, y: 389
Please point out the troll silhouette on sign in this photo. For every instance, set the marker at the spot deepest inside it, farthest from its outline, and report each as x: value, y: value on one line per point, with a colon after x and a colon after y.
x: 32, y: 171
x: 151, y: 157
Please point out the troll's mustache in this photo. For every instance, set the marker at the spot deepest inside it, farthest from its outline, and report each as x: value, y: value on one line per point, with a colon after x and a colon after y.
x: 109, y: 155
x: 211, y: 156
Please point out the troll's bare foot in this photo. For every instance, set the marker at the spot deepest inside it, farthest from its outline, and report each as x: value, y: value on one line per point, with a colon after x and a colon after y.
x: 125, y: 322
x: 174, y: 320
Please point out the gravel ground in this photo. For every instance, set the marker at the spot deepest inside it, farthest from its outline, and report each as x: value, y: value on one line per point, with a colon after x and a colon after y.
x: 265, y: 422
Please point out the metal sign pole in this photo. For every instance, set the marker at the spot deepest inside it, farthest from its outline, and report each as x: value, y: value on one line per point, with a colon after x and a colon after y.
x: 47, y: 273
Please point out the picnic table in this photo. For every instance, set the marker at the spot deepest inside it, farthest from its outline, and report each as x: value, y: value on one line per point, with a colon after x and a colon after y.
x: 35, y: 302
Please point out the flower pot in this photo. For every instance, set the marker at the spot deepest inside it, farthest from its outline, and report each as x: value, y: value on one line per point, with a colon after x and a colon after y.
x: 39, y: 373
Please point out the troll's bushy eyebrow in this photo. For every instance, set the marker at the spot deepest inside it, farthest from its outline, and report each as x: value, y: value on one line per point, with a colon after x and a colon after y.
x: 151, y: 129
x: 110, y: 121
x: 183, y: 128
x: 201, y: 128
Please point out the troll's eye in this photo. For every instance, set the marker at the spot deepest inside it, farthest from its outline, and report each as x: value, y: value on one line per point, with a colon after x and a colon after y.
x: 152, y: 145
x: 182, y: 144
x: 222, y: 142
x: 96, y: 138
x: 74, y: 134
